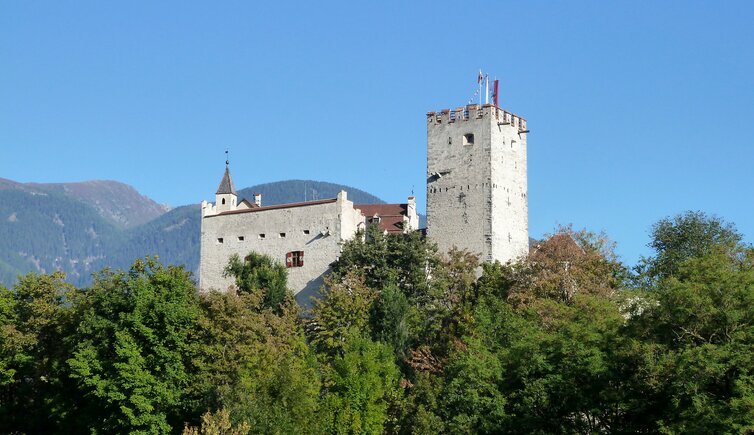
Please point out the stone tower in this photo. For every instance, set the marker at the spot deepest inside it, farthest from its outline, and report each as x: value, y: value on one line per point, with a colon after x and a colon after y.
x: 476, y: 182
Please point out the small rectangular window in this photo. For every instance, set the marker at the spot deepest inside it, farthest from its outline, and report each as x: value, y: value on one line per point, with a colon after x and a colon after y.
x: 282, y: 235
x: 306, y: 232
x: 261, y: 236
x: 468, y: 139
x: 294, y: 259
x: 240, y: 238
x: 219, y: 240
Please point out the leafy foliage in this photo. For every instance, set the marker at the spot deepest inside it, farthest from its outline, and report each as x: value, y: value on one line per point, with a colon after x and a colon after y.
x: 260, y: 274
x: 359, y: 386
x: 403, y: 340
x: 131, y: 357
x: 689, y: 235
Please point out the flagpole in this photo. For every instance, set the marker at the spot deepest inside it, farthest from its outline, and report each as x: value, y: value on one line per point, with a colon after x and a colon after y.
x: 486, y: 89
x: 480, y: 92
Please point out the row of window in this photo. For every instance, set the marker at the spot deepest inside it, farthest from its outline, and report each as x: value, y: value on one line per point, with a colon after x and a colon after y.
x: 260, y: 236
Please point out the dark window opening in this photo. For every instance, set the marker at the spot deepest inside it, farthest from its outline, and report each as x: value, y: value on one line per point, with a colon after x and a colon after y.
x: 261, y: 236
x: 468, y: 139
x: 240, y: 238
x: 294, y: 259
x: 219, y: 240
x: 306, y: 232
x: 282, y: 235
x: 223, y: 201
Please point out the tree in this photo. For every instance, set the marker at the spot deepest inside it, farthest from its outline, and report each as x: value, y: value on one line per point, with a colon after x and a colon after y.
x: 389, y: 319
x: 704, y: 319
x: 472, y: 401
x: 341, y: 314
x: 259, y: 273
x: 132, y: 350
x: 35, y: 319
x: 218, y: 423
x: 565, y: 264
x: 389, y: 259
x: 256, y: 364
x: 360, y: 384
x: 685, y: 236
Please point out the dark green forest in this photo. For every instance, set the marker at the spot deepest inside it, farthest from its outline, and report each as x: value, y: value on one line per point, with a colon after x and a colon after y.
x: 402, y: 340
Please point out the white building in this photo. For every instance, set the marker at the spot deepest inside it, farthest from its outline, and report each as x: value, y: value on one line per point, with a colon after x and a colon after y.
x: 305, y: 236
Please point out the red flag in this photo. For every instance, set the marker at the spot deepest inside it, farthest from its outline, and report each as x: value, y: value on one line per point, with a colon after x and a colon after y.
x: 494, y: 92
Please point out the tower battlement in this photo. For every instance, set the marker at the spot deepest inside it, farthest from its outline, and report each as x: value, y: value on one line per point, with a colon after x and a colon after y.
x: 474, y: 111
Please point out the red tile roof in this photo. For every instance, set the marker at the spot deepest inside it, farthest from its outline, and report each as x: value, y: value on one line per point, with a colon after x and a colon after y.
x: 391, y: 215
x: 382, y: 209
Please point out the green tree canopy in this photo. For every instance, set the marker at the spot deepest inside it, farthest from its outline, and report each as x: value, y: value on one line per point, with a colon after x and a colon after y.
x: 685, y: 236
x: 259, y: 273
x: 132, y: 349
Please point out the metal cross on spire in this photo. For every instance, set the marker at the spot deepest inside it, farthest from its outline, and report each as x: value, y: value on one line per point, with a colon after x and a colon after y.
x: 227, y: 161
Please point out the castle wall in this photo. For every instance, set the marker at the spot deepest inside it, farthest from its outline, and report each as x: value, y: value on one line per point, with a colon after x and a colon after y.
x: 510, y: 210
x: 476, y: 192
x: 316, y: 229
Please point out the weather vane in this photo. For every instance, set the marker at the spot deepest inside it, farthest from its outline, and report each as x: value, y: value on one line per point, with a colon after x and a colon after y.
x: 227, y: 162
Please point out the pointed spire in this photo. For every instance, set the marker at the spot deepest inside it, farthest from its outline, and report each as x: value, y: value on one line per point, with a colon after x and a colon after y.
x: 226, y: 184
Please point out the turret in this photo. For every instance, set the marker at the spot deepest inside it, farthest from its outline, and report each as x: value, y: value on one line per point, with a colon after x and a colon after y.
x: 225, y: 197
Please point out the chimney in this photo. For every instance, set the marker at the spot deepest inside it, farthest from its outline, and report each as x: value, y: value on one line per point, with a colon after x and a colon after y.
x: 412, y: 215
x: 258, y: 199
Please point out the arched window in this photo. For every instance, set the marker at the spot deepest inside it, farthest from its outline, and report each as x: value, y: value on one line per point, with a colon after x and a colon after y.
x: 223, y: 201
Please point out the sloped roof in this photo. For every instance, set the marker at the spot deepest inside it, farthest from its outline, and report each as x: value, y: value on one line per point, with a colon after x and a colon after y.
x: 226, y: 184
x: 391, y: 215
x: 256, y: 209
x: 382, y: 209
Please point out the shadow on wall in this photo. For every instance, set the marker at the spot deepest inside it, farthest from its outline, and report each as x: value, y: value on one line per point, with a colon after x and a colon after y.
x: 305, y: 296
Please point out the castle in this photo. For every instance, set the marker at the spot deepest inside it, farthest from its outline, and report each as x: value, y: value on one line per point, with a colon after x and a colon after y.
x: 476, y: 200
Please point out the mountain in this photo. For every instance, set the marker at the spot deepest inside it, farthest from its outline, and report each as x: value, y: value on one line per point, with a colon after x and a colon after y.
x: 46, y: 231
x: 284, y: 192
x: 117, y: 202
x: 81, y: 228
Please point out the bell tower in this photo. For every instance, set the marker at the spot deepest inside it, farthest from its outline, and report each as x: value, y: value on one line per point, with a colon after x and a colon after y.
x: 225, y: 197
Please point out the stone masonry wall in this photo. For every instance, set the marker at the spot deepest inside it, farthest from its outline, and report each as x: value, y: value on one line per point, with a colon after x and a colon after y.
x: 316, y: 229
x: 476, y: 192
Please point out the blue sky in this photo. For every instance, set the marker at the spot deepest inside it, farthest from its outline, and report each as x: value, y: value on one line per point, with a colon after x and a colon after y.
x: 637, y: 110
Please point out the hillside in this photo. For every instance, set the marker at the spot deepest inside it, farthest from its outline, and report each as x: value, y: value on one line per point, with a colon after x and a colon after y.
x: 80, y: 228
x: 117, y: 202
x: 44, y: 232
